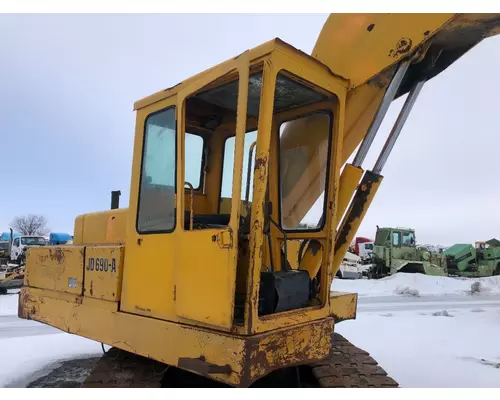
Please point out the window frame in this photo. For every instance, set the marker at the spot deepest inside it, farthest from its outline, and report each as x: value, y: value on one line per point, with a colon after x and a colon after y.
x: 331, y: 116
x: 173, y: 106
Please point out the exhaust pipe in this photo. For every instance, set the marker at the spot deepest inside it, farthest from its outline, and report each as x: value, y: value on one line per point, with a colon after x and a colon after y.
x: 10, y: 241
x: 115, y: 199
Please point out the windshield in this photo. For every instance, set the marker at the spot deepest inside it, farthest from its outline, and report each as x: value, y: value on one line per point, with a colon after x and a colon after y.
x: 408, y: 239
x: 33, y: 241
x: 304, y: 143
x: 381, y: 237
x: 4, y: 246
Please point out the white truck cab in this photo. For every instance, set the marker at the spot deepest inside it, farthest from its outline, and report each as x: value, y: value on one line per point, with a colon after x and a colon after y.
x: 365, y: 251
x: 22, y: 242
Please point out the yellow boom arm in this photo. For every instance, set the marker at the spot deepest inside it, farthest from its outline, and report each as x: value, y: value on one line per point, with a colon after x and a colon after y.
x: 372, y: 52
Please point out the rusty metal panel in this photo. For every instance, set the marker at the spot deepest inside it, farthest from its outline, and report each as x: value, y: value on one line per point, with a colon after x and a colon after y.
x: 57, y: 268
x: 228, y: 358
x: 343, y: 306
x: 293, y: 346
x: 103, y: 272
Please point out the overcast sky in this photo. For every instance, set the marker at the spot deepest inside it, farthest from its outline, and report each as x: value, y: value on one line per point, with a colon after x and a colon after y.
x: 68, y: 84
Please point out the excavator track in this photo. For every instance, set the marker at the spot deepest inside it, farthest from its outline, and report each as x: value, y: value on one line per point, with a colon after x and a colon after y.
x: 350, y: 367
x: 346, y: 367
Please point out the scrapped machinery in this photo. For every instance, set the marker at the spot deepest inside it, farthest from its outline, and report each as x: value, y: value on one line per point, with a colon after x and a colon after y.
x: 11, y: 275
x: 396, y: 251
x: 200, y: 282
x: 482, y: 259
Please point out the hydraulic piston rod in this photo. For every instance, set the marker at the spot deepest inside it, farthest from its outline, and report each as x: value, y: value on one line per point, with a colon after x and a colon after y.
x: 398, y: 126
x: 380, y: 114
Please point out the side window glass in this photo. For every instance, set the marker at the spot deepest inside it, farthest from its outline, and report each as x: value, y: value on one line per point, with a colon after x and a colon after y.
x: 395, y: 238
x: 193, y: 156
x: 228, y: 167
x: 156, y: 211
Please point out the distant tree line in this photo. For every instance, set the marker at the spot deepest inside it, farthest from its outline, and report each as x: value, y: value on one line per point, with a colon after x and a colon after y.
x: 30, y: 225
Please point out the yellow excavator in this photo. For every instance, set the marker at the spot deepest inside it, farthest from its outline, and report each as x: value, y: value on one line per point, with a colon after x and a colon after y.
x: 242, y: 207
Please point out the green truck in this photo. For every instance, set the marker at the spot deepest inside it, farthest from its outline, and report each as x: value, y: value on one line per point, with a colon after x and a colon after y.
x: 482, y: 259
x: 395, y: 250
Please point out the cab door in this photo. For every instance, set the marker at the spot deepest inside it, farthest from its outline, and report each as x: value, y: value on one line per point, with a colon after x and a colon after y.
x: 205, y: 272
x: 174, y: 270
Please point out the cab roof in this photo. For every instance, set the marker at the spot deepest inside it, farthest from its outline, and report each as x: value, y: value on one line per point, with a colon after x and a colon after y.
x: 254, y: 54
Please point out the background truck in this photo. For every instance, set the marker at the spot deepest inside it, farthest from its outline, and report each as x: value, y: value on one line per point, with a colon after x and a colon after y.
x: 482, y: 259
x: 4, y: 252
x: 363, y: 247
x: 59, y: 238
x: 21, y: 243
x: 396, y: 250
x: 5, y: 246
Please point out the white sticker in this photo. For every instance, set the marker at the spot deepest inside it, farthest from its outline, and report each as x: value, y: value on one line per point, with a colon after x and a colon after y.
x: 72, y: 283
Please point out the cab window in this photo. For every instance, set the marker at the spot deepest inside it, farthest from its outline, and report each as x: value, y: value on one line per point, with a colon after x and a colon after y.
x: 156, y: 209
x: 193, y: 156
x: 396, y: 238
x: 408, y: 239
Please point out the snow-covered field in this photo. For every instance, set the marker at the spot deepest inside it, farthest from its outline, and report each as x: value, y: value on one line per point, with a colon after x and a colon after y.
x: 424, y: 331
x: 418, y: 284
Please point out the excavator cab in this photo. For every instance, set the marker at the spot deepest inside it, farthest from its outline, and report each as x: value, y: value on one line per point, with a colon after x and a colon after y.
x: 226, y: 168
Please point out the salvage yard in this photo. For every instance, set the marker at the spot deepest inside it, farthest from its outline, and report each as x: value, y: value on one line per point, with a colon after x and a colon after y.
x: 424, y: 331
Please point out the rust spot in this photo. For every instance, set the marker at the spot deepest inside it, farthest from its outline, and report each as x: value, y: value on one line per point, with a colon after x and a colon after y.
x: 426, y: 33
x: 172, y: 87
x: 288, y: 349
x: 91, y: 288
x: 260, y: 162
x: 143, y: 309
x: 23, y: 309
x: 357, y: 207
x: 315, y: 246
x: 402, y: 46
x: 203, y: 367
x: 370, y: 27
x: 57, y: 255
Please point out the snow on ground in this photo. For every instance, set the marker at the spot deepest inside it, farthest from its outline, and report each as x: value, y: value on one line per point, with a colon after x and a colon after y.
x: 418, y: 284
x: 25, y: 359
x: 442, y: 348
x: 29, y: 349
x: 8, y: 303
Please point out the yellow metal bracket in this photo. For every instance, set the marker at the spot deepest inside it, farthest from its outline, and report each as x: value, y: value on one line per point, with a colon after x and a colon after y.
x: 343, y: 306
